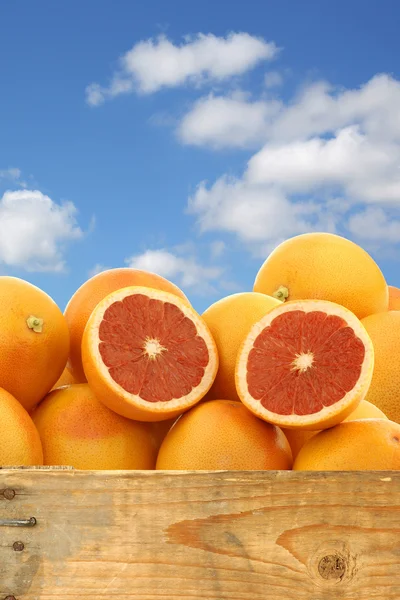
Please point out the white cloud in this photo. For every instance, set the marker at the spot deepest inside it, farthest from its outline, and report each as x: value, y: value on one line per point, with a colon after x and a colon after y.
x: 33, y: 230
x: 185, y: 271
x: 328, y: 158
x: 321, y: 108
x: 227, y: 121
x: 258, y: 215
x: 273, y: 79
x: 375, y: 225
x: 364, y: 169
x: 318, y: 110
x: 154, y: 64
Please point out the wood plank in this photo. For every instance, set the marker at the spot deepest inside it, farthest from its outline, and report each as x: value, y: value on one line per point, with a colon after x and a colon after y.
x: 211, y: 536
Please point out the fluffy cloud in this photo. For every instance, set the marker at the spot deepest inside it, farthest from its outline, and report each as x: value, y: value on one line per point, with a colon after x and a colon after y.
x: 352, y: 160
x: 185, y: 271
x: 258, y: 215
x: 319, y: 109
x: 33, y: 230
x: 328, y: 158
x: 227, y: 121
x: 154, y: 64
x: 374, y: 224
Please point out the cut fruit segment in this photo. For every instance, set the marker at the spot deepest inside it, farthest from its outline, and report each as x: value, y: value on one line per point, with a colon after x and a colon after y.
x: 147, y: 354
x: 307, y: 364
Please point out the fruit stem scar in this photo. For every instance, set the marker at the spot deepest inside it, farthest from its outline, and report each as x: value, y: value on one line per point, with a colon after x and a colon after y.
x: 303, y: 362
x: 35, y: 323
x: 153, y: 348
x: 281, y: 293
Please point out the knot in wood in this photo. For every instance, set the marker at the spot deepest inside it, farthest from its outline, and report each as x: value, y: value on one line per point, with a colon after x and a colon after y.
x: 10, y: 598
x: 9, y: 494
x: 332, y: 566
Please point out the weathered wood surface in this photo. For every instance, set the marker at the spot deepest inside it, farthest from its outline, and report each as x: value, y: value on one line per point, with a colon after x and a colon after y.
x: 210, y: 536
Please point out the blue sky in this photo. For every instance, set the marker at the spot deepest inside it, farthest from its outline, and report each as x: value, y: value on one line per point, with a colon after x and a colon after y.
x: 191, y: 138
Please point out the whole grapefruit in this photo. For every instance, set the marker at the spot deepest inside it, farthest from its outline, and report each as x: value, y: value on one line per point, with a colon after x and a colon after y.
x: 77, y: 430
x: 324, y: 266
x: 95, y: 289
x: 34, y: 341
x: 230, y: 320
x: 223, y: 434
x: 298, y: 437
x: 384, y: 391
x: 20, y: 443
x: 363, y: 445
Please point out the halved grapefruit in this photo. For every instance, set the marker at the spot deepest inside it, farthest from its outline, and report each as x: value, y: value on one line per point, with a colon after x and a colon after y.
x: 147, y: 354
x: 306, y: 364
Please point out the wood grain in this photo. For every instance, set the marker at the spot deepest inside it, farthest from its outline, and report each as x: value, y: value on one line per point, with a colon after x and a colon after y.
x: 211, y: 536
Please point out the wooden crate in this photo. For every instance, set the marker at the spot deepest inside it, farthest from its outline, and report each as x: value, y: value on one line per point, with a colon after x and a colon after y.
x: 187, y: 536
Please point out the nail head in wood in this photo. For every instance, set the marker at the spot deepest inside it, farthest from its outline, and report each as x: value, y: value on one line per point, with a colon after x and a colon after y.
x: 18, y: 546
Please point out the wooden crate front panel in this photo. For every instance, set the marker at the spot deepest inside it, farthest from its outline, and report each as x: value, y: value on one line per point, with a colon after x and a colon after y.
x: 211, y: 536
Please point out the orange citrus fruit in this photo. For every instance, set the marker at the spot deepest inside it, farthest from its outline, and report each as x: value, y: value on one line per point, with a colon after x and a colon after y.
x: 20, y: 443
x: 394, y: 298
x: 368, y: 444
x: 298, y: 437
x: 78, y: 430
x: 34, y: 341
x: 324, y: 266
x: 223, y: 435
x: 82, y: 303
x: 230, y: 320
x: 147, y: 354
x: 384, y: 391
x: 306, y: 365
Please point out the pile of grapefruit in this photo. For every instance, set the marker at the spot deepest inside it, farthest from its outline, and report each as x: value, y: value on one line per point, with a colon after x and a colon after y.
x: 301, y: 373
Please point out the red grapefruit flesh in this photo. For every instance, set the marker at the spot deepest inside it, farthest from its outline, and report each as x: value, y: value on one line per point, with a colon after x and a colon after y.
x: 147, y: 354
x: 306, y: 364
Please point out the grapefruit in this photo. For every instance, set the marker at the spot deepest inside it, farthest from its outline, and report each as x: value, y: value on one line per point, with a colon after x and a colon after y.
x: 394, y: 298
x: 20, y: 443
x: 82, y: 303
x: 298, y: 437
x: 34, y: 341
x: 147, y: 354
x: 369, y: 444
x: 306, y: 365
x: 223, y: 435
x: 78, y: 430
x: 324, y: 266
x: 384, y: 391
x: 229, y: 320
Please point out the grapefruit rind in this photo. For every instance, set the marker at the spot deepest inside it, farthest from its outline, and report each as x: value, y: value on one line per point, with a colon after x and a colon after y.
x: 329, y: 415
x: 114, y: 395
